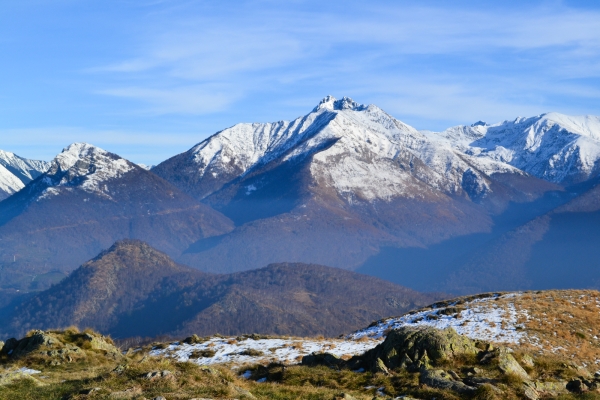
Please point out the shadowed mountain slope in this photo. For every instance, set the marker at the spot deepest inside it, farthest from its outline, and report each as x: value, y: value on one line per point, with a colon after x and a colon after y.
x: 134, y: 290
x: 557, y: 250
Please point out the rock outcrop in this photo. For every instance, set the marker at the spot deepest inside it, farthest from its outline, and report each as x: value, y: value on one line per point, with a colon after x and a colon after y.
x: 58, y: 347
x: 418, y: 347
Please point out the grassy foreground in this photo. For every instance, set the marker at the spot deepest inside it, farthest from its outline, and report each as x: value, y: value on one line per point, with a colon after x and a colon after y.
x: 85, y: 365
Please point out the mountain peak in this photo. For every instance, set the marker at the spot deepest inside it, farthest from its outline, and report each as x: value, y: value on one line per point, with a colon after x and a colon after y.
x: 346, y: 103
x: 75, y: 152
x: 86, y: 166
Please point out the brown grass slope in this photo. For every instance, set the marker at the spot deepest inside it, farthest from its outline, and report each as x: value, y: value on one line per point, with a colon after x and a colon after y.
x: 135, y: 290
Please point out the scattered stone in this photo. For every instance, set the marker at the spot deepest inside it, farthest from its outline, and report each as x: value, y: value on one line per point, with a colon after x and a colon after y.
x: 530, y: 393
x: 156, y: 375
x: 90, y: 390
x: 527, y: 361
x: 508, y: 365
x: 194, y: 339
x: 119, y: 369
x: 477, y: 381
x: 439, y: 379
x: 551, y: 388
x: 209, y: 370
x: 454, y: 375
x: 473, y: 371
x: 241, y: 391
x: 126, y: 394
x: 159, y: 398
x: 380, y: 367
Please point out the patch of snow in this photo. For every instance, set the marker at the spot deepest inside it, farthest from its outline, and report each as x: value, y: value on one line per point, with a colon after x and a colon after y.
x: 480, y: 319
x: 28, y: 371
x: 286, y: 351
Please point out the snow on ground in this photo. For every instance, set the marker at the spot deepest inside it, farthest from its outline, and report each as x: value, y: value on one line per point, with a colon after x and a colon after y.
x: 286, y: 351
x: 481, y: 319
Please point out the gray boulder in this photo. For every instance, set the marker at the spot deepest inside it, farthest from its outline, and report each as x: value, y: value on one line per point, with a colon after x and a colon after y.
x: 419, y: 347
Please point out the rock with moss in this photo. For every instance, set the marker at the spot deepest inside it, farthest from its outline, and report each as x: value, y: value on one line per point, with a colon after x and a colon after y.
x: 11, y: 377
x: 419, y: 347
x: 440, y: 379
x: 509, y: 365
x: 60, y: 346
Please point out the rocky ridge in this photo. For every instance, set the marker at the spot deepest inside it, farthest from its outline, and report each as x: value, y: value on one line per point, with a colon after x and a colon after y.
x: 16, y: 172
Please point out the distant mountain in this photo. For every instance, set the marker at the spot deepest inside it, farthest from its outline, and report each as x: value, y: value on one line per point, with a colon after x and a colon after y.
x: 88, y: 199
x: 134, y: 290
x: 554, y: 147
x: 557, y: 250
x: 346, y: 185
x: 334, y: 186
x: 16, y: 172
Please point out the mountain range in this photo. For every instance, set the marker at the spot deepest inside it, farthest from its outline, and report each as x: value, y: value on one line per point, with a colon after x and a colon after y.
x: 347, y: 185
x: 132, y: 289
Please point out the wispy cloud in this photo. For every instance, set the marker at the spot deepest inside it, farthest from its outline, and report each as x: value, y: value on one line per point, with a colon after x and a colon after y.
x: 254, y: 50
x: 169, y: 73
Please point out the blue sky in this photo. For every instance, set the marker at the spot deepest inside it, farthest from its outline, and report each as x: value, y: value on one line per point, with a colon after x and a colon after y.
x: 149, y: 79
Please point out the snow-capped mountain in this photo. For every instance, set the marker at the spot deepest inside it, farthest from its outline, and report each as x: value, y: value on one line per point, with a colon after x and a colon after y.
x: 16, y: 172
x: 345, y: 168
x: 357, y: 150
x: 88, y: 199
x: 555, y: 147
x: 85, y: 166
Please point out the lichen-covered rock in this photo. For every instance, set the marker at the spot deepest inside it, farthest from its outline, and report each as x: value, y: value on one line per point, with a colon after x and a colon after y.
x: 241, y: 391
x: 549, y: 388
x: 158, y: 375
x: 508, y: 365
x: 380, y: 367
x: 9, y: 377
x: 36, y: 340
x: 440, y: 379
x: 60, y: 346
x: 527, y: 361
x: 419, y: 347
